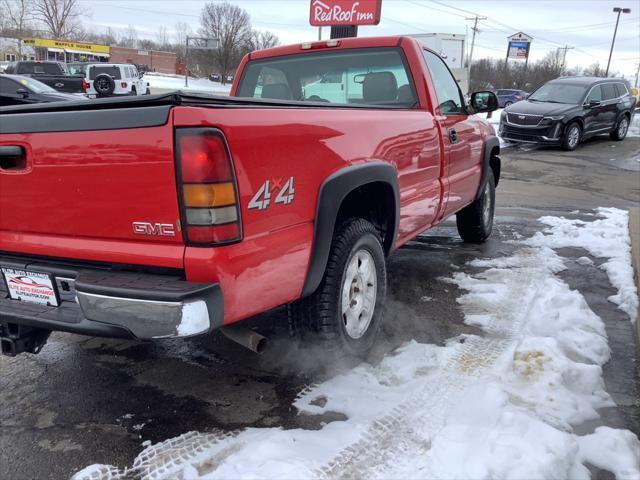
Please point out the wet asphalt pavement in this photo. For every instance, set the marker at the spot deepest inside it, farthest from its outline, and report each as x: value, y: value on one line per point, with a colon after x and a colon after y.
x: 88, y: 400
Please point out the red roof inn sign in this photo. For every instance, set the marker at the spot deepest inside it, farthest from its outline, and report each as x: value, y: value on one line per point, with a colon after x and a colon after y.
x: 345, y: 12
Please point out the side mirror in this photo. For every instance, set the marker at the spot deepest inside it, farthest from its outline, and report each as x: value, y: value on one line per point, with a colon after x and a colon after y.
x: 23, y: 92
x: 484, y: 101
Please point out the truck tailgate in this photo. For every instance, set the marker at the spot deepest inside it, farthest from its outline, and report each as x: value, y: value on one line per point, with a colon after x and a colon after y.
x: 102, y: 195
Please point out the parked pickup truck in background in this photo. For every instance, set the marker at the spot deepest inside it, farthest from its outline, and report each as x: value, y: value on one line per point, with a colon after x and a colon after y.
x: 168, y: 216
x: 54, y: 74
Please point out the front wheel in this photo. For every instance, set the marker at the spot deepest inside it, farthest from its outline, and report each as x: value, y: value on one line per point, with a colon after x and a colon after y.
x: 621, y: 129
x: 344, y: 314
x: 506, y: 104
x: 475, y: 221
x: 572, y: 137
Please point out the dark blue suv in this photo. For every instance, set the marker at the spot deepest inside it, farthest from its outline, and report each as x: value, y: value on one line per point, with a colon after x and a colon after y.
x: 507, y: 97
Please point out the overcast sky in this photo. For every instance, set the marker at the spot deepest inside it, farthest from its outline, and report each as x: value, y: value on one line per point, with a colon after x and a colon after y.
x: 586, y: 25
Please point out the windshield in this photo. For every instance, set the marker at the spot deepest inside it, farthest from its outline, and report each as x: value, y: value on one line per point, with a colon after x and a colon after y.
x: 357, y: 76
x: 35, y: 86
x: 559, y: 93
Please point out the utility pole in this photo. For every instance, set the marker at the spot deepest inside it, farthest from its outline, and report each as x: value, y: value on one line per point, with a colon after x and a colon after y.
x: 637, y: 75
x: 564, y: 55
x: 617, y: 10
x: 475, y: 30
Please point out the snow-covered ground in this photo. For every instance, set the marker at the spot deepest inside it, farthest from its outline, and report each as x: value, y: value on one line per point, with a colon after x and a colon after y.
x: 165, y: 83
x: 499, y: 405
x: 634, y: 128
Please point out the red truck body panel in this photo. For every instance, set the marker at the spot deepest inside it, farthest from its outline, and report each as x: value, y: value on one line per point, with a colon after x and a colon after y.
x: 83, y: 190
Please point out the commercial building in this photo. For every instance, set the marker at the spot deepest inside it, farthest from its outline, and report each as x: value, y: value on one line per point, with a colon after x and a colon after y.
x: 70, y: 52
x: 153, y: 60
x: 67, y: 51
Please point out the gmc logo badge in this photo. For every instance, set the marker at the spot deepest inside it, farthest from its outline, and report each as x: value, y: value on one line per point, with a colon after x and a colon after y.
x: 157, y: 229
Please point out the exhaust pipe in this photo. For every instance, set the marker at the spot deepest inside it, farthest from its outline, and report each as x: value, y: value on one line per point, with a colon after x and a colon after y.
x: 245, y: 337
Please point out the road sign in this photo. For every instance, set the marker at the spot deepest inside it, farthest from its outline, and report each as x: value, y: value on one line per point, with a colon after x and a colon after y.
x: 344, y: 12
x: 519, y: 46
x: 200, y: 43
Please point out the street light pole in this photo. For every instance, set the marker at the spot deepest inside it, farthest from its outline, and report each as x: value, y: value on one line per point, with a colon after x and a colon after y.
x: 617, y: 10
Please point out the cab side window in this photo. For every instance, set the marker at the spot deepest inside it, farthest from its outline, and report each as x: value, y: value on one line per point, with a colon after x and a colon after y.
x: 595, y: 95
x: 447, y: 91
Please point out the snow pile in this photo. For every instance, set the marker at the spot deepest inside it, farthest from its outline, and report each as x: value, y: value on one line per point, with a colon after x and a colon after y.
x: 500, y: 405
x: 494, y: 120
x: 634, y: 127
x: 176, y: 82
x: 607, y: 237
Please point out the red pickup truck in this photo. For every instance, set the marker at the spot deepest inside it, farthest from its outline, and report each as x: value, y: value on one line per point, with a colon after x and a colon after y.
x: 175, y: 215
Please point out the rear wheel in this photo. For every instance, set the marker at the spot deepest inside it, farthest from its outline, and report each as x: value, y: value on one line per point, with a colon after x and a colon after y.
x: 345, y: 312
x: 621, y: 129
x: 572, y: 136
x: 133, y: 92
x: 475, y: 222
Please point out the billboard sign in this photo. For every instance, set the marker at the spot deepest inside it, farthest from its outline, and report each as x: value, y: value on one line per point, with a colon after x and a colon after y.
x: 519, y: 45
x: 344, y: 12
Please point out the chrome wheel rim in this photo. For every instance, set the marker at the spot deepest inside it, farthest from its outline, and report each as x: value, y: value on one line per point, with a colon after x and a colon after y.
x: 359, y: 291
x: 487, y: 204
x: 622, y: 128
x: 574, y: 136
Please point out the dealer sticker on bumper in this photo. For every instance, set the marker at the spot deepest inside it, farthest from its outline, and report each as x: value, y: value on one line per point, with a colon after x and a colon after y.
x: 30, y: 286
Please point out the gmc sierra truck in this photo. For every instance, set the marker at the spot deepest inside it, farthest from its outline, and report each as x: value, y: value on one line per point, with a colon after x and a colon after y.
x: 172, y: 216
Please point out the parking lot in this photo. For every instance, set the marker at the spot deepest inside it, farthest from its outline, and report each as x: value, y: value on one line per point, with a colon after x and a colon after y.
x: 85, y: 401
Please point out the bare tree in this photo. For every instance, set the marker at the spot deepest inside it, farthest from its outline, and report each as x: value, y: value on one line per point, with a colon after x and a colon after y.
x: 263, y: 39
x: 61, y: 17
x: 180, y: 32
x: 17, y: 19
x: 231, y: 26
x: 129, y: 38
x: 162, y: 36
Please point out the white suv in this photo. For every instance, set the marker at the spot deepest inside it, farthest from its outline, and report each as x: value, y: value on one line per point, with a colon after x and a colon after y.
x: 111, y: 79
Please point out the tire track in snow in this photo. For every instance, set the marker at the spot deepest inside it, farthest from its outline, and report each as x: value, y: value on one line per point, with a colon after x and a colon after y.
x: 401, y: 433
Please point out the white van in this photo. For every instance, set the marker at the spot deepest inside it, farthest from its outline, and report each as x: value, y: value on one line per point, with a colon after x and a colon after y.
x: 111, y: 79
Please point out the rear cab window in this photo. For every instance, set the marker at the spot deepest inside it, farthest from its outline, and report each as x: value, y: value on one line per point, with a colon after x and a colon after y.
x: 364, y: 76
x: 39, y: 68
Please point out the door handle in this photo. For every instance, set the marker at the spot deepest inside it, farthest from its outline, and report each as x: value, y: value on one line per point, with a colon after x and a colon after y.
x: 453, y: 135
x: 12, y: 157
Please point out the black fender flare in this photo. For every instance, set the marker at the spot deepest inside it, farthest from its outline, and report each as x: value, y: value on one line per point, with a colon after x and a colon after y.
x: 333, y: 191
x: 489, y: 144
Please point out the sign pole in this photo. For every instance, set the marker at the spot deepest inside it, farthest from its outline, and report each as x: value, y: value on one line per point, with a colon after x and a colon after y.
x: 186, y: 63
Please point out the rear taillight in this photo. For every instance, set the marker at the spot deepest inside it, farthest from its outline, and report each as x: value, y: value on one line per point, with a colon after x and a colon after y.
x: 123, y: 84
x: 208, y: 187
x: 85, y: 85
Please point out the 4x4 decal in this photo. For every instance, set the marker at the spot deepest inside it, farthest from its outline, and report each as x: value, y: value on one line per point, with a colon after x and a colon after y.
x: 262, y: 199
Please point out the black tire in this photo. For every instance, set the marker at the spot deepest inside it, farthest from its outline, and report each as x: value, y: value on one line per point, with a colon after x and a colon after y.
x: 148, y: 92
x: 622, y: 127
x: 506, y: 104
x: 104, y: 85
x: 134, y: 92
x: 319, y: 318
x: 570, y: 141
x: 475, y: 221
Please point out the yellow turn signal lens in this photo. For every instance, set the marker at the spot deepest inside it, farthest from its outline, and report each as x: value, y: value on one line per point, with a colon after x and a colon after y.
x: 209, y: 195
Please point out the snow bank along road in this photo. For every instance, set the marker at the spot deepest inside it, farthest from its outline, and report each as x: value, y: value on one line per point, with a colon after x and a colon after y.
x: 514, y: 359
